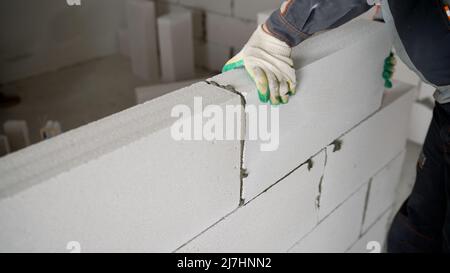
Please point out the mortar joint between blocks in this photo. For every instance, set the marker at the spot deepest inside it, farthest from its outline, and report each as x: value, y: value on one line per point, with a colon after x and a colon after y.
x: 337, y: 145
x: 319, y: 190
x: 366, y: 204
x: 243, y: 172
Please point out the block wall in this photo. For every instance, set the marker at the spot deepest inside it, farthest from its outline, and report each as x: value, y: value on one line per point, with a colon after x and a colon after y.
x: 124, y: 184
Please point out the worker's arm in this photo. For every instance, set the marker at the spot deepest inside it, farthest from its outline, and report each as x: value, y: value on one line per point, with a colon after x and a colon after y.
x: 267, y: 55
x: 297, y: 20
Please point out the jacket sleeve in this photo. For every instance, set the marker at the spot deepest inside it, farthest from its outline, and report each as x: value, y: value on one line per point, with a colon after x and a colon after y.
x: 297, y: 20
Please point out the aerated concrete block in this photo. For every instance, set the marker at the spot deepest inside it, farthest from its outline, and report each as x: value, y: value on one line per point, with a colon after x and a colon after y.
x: 248, y: 9
x: 124, y: 42
x: 368, y: 15
x: 146, y: 93
x: 17, y: 133
x: 382, y: 191
x: 123, y: 183
x: 426, y: 91
x: 367, y: 148
x: 339, y: 230
x: 272, y: 222
x: 333, y: 95
x: 197, y: 16
x: 51, y: 129
x: 4, y: 145
x: 374, y: 240
x: 263, y: 16
x: 213, y: 56
x: 176, y: 46
x: 143, y: 39
x: 404, y: 74
x: 228, y: 31
x: 421, y: 116
x: 218, y: 6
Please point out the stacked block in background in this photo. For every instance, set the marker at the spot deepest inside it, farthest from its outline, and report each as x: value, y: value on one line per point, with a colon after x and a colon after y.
x: 4, y: 146
x: 51, y: 129
x: 123, y: 41
x: 263, y: 16
x: 17, y: 134
x: 176, y: 46
x: 248, y: 9
x: 221, y: 27
x: 228, y: 31
x: 143, y: 41
x: 212, y: 56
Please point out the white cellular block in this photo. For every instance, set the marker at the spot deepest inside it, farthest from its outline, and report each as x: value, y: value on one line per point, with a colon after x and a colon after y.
x: 338, y: 231
x: 404, y: 74
x: 143, y: 38
x: 124, y: 42
x: 368, y: 15
x: 213, y: 56
x: 426, y: 91
x: 272, y: 222
x: 219, y: 6
x: 421, y: 116
x: 120, y: 184
x: 373, y: 240
x: 147, y: 93
x: 17, y: 133
x: 367, y: 148
x: 322, y: 110
x: 263, y: 16
x: 197, y: 16
x: 382, y: 191
x: 176, y: 46
x: 248, y: 9
x: 51, y: 129
x: 228, y: 31
x: 4, y: 145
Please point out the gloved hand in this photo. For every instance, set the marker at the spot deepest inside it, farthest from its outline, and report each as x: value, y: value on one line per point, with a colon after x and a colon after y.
x: 268, y: 62
x: 389, y: 69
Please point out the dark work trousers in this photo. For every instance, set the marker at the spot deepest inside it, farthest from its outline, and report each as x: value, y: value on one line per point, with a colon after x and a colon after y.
x: 423, y: 222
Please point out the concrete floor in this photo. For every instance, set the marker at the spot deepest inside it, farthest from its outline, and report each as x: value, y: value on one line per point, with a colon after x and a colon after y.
x: 75, y: 95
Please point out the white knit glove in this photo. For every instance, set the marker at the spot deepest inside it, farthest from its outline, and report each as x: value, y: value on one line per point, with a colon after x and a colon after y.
x: 268, y: 62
